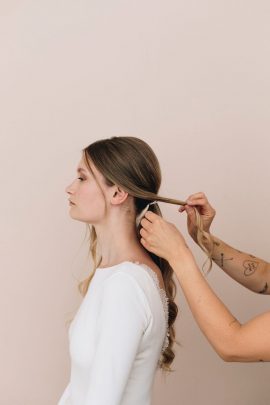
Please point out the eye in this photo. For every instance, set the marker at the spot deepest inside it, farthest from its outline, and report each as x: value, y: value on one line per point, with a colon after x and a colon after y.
x: 80, y: 178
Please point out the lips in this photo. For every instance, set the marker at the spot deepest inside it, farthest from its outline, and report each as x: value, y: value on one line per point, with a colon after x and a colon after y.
x: 71, y: 202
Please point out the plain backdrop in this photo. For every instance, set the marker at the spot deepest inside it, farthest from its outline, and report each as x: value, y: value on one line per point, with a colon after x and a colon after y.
x: 191, y: 78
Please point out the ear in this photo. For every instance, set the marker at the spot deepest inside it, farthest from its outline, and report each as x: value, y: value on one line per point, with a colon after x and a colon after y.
x: 118, y: 195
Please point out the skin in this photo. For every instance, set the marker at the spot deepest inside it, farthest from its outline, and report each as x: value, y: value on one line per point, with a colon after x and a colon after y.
x: 111, y: 211
x: 247, y: 269
x: 233, y: 341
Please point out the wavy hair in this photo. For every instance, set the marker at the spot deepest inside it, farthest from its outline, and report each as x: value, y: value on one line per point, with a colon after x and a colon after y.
x: 131, y: 163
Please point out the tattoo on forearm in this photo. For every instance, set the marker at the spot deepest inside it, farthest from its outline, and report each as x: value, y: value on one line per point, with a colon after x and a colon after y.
x: 250, y: 267
x: 264, y: 289
x: 222, y: 259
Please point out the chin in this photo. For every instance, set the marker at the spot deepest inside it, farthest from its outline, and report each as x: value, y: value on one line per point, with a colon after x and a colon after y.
x: 85, y: 220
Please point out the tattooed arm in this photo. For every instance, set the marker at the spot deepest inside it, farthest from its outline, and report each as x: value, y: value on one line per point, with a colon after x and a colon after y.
x: 246, y: 269
x: 231, y: 340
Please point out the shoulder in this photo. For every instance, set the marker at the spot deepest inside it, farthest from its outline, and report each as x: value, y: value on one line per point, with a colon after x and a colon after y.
x: 122, y: 293
x: 129, y: 280
x: 132, y: 274
x: 139, y: 276
x: 125, y: 278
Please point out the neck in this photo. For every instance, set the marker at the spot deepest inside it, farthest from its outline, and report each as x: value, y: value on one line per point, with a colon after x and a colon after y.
x: 117, y: 240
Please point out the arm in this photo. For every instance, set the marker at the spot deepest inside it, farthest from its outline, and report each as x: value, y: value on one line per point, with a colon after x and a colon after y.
x: 121, y: 323
x: 231, y: 340
x: 65, y: 396
x: 246, y: 269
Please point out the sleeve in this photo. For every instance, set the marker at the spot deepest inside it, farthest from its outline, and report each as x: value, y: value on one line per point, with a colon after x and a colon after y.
x: 65, y: 398
x: 122, y: 321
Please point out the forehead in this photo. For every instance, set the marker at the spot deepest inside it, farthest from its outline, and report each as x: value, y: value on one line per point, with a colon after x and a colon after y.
x: 83, y: 168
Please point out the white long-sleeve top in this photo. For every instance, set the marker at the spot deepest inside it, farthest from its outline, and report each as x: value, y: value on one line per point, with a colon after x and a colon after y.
x: 117, y: 337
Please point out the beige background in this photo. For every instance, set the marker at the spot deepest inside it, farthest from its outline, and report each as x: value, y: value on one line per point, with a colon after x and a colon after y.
x: 189, y: 77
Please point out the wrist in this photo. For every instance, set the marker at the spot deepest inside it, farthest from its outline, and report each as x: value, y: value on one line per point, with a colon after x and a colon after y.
x: 181, y: 257
x: 185, y: 267
x: 205, y: 239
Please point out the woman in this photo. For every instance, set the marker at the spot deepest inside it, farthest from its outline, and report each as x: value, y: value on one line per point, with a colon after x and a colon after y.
x: 233, y: 341
x: 123, y: 329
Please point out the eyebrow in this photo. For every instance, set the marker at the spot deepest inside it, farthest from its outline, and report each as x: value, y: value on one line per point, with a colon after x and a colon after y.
x: 80, y: 169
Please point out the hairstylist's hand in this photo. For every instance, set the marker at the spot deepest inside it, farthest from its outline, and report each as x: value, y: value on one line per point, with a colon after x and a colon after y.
x: 207, y: 212
x: 163, y: 238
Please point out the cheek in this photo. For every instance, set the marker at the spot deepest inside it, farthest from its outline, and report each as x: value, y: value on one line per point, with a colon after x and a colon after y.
x: 93, y: 204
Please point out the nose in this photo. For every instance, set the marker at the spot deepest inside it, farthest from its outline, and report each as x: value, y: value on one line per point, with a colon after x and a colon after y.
x: 68, y: 189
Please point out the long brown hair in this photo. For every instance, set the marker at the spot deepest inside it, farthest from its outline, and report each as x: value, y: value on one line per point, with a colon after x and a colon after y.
x: 131, y: 163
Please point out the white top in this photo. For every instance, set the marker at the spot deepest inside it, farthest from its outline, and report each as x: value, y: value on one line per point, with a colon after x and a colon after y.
x: 117, y: 337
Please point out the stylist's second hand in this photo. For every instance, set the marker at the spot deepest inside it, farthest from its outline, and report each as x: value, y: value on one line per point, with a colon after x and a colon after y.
x: 207, y: 212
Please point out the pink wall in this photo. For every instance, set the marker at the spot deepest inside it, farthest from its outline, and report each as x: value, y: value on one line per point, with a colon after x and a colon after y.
x: 192, y: 79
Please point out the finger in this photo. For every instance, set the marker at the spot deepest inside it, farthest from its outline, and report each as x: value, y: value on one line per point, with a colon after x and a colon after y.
x: 144, y: 233
x: 190, y: 212
x: 199, y: 201
x: 196, y: 197
x: 151, y: 216
x: 143, y: 242
x: 147, y: 245
x: 146, y: 224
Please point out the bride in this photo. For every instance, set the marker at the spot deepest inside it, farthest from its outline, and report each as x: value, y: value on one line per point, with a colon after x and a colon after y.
x: 123, y: 330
